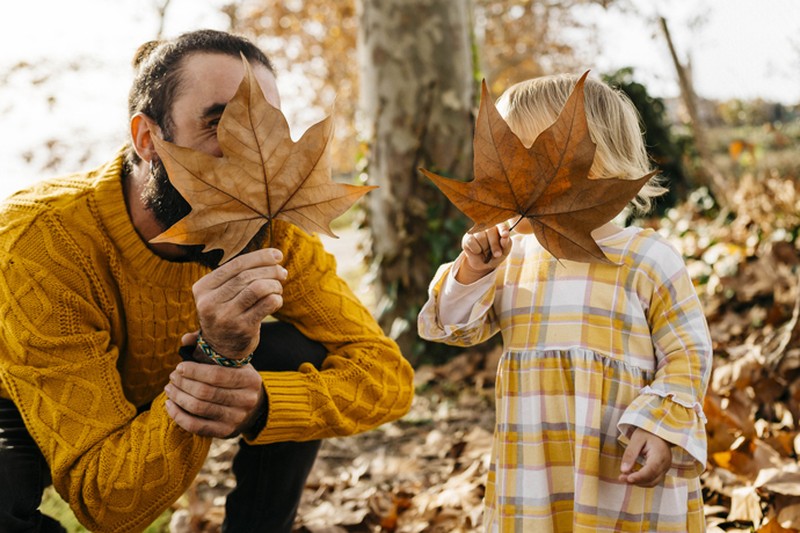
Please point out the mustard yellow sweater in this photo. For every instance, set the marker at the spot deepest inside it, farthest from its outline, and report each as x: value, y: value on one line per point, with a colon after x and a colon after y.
x: 91, y: 325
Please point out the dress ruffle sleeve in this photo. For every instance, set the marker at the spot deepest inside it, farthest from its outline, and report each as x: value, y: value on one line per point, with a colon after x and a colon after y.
x: 671, y: 406
x: 679, y: 421
x: 481, y: 323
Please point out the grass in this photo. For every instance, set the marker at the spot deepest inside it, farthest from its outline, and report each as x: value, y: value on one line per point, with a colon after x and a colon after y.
x: 53, y: 505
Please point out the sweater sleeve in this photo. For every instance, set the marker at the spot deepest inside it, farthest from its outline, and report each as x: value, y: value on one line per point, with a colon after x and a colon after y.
x: 671, y: 407
x: 480, y: 321
x: 364, y: 381
x: 117, y: 469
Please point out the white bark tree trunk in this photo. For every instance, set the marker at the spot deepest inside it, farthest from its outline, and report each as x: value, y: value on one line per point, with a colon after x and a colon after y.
x: 417, y: 96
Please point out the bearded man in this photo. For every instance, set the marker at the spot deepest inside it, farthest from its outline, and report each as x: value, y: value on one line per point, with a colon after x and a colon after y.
x: 94, y: 395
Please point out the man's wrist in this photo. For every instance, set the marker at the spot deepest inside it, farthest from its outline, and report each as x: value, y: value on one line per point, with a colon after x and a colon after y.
x: 260, y: 421
x: 218, y: 358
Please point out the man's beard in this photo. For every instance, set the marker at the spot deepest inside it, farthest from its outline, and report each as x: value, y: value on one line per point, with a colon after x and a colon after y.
x: 168, y: 207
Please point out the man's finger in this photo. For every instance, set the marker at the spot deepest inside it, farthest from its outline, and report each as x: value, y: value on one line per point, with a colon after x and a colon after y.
x: 267, y: 305
x: 189, y: 339
x: 191, y: 392
x: 195, y: 406
x: 254, y: 292
x: 215, y: 375
x: 235, y: 285
x: 197, y: 425
x: 265, y: 257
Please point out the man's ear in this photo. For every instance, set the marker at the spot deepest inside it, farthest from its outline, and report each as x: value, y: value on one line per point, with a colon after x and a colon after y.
x: 142, y: 130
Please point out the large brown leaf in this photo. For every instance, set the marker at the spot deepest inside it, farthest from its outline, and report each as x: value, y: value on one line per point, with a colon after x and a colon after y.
x: 547, y: 183
x: 262, y: 175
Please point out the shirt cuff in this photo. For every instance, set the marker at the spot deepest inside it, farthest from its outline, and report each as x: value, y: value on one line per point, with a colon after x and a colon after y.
x: 456, y: 299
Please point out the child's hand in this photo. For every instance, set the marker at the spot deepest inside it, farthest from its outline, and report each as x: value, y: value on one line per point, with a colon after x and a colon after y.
x: 657, y: 459
x: 493, y: 244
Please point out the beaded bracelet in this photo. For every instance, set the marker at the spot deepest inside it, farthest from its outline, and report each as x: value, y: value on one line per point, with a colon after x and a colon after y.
x: 221, y: 360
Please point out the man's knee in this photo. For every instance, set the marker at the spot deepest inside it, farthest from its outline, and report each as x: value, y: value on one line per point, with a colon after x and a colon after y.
x: 269, y: 485
x: 283, y: 348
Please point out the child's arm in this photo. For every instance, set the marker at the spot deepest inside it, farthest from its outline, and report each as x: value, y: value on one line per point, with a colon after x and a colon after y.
x: 670, y: 407
x: 459, y: 306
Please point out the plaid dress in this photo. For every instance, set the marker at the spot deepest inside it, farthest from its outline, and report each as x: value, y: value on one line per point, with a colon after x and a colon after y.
x: 591, y: 352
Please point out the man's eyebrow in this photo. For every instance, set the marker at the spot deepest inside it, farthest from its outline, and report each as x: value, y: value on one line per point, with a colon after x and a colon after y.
x: 214, y: 110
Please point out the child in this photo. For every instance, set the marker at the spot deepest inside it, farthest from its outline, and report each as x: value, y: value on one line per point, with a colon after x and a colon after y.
x: 599, y: 391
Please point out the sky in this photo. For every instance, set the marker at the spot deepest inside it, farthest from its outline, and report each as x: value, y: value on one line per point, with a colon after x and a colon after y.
x: 743, y: 49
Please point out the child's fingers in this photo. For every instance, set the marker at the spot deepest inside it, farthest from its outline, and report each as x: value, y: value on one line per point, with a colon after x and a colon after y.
x: 493, y: 236
x: 657, y: 456
x: 632, y: 452
x: 472, y: 245
x: 650, y: 475
x: 647, y: 474
x: 485, y: 250
x: 498, y: 238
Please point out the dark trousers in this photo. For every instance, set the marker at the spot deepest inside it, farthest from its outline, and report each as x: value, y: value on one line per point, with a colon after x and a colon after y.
x: 269, y: 479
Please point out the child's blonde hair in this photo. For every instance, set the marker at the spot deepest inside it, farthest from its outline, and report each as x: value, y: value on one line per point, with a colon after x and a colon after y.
x: 532, y: 106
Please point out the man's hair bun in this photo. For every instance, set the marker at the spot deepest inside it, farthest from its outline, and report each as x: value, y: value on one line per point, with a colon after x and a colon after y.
x: 143, y: 52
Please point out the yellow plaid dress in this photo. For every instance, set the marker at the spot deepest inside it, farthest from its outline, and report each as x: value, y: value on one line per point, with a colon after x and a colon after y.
x: 590, y: 353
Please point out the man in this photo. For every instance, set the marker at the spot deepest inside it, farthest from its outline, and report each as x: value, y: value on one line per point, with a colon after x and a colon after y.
x: 92, y: 388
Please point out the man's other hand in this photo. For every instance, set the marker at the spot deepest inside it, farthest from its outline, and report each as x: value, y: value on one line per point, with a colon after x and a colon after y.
x: 214, y: 401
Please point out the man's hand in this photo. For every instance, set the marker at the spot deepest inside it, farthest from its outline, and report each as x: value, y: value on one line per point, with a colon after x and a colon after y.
x: 657, y: 459
x: 214, y: 401
x: 234, y: 299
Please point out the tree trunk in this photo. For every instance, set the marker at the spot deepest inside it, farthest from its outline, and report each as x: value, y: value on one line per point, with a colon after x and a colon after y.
x: 416, y: 103
x: 708, y: 173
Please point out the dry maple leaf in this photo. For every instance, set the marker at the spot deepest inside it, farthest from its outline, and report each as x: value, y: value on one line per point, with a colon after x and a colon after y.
x: 547, y: 182
x: 262, y: 175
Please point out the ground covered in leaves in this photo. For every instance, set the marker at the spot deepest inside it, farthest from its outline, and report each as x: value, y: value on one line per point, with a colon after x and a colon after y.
x: 426, y: 472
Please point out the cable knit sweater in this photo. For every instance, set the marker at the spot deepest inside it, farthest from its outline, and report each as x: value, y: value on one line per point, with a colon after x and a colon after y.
x: 91, y: 325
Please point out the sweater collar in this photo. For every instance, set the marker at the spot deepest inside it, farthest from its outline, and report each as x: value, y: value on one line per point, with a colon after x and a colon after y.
x: 138, y: 258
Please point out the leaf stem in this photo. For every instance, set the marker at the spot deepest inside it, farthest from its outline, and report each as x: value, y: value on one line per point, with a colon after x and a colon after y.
x: 515, y: 223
